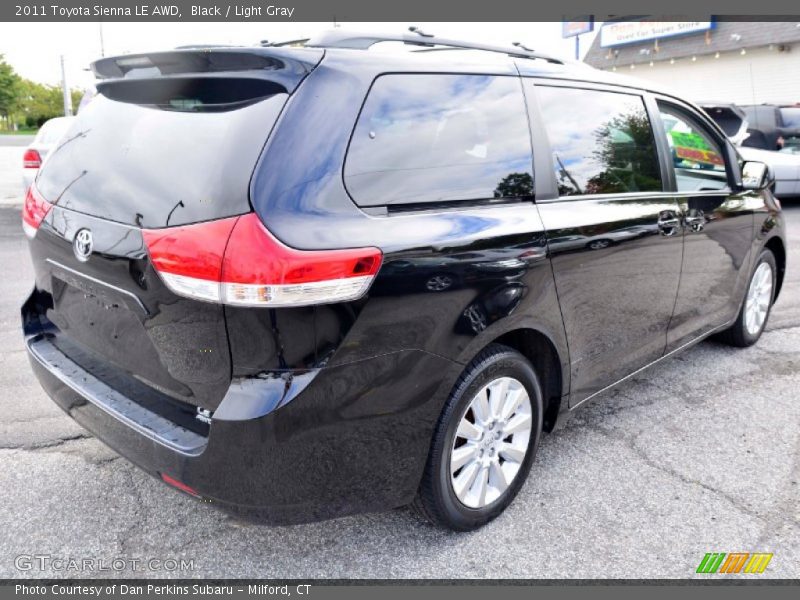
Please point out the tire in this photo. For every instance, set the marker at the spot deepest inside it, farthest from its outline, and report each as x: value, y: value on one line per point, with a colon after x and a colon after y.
x: 741, y: 333
x: 505, y: 373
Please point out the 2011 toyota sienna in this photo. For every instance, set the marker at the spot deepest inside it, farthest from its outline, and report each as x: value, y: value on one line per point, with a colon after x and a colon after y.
x: 307, y: 282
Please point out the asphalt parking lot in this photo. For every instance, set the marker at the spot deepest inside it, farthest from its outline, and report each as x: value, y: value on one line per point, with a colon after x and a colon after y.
x: 12, y: 147
x: 701, y: 454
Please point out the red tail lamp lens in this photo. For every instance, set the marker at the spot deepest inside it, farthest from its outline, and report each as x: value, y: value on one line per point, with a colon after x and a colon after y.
x: 238, y: 261
x: 34, y: 210
x: 31, y: 159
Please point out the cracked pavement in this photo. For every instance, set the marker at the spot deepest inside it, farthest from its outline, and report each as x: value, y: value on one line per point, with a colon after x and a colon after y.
x: 699, y: 454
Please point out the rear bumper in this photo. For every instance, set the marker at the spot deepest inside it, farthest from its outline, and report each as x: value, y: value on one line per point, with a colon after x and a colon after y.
x: 346, y: 439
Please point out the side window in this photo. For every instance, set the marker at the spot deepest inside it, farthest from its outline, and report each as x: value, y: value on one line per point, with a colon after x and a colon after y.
x: 697, y: 158
x: 602, y: 142
x: 437, y: 138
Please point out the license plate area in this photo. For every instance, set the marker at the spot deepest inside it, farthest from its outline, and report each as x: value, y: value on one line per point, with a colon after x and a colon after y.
x: 108, y: 295
x: 94, y: 317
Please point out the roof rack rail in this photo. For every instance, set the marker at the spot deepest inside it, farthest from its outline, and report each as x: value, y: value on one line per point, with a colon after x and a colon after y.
x: 338, y: 38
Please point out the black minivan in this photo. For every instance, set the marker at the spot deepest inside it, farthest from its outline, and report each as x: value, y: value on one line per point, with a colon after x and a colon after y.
x: 303, y: 282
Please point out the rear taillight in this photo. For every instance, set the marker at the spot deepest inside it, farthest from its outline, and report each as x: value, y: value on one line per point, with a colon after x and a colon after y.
x: 34, y: 211
x: 31, y: 159
x: 237, y: 261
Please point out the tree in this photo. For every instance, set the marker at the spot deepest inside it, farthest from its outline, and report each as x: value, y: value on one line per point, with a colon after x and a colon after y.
x: 514, y: 185
x: 626, y: 148
x: 76, y: 96
x: 28, y: 103
x: 40, y: 102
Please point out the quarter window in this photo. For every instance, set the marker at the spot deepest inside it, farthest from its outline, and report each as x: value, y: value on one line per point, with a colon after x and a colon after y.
x: 440, y: 138
x: 696, y: 157
x: 602, y: 142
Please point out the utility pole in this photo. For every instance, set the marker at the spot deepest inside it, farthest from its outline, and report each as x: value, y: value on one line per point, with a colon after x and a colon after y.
x: 102, y: 42
x: 65, y: 90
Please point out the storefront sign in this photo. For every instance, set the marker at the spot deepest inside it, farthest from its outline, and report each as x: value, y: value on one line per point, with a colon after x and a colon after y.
x: 628, y: 32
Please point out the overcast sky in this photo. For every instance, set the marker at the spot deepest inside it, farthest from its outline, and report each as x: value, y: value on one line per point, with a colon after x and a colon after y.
x: 33, y: 49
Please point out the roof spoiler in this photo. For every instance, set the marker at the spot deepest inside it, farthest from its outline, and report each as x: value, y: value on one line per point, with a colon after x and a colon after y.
x: 287, y: 66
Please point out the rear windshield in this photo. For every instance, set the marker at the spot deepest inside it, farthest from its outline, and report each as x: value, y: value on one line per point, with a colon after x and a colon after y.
x: 156, y: 156
x: 760, y: 117
x: 728, y: 120
x: 791, y: 117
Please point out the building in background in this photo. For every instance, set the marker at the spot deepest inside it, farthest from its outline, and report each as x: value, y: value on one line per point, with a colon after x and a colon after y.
x: 732, y: 61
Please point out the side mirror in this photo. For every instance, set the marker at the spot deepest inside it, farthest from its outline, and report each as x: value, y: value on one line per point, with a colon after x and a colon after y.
x: 756, y: 175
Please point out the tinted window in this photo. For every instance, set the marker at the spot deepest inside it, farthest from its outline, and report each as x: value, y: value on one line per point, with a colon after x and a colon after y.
x: 728, y: 120
x: 602, y: 142
x: 697, y: 158
x: 761, y: 117
x: 434, y: 138
x: 791, y: 116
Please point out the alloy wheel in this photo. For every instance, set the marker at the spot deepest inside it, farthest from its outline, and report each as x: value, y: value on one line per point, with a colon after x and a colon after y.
x: 491, y: 442
x: 759, y: 296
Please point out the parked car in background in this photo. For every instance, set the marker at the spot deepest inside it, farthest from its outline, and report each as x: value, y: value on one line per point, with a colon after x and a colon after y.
x: 785, y: 164
x: 772, y: 126
x: 46, y: 139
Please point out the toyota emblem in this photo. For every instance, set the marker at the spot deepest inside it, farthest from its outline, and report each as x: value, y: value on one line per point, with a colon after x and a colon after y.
x: 82, y: 246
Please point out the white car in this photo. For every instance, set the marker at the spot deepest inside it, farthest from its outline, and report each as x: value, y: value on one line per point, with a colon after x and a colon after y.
x: 46, y: 139
x: 785, y: 165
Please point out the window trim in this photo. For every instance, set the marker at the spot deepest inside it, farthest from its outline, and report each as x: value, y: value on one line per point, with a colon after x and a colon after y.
x: 545, y: 147
x: 545, y: 186
x: 401, y: 207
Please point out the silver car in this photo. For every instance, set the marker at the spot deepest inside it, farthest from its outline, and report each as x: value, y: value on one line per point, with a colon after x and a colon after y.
x: 46, y: 139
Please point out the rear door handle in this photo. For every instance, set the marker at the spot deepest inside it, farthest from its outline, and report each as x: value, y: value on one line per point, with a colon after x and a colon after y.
x: 668, y: 223
x: 695, y: 220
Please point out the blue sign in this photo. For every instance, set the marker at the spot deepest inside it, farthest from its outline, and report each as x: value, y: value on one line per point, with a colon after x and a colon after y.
x: 573, y: 28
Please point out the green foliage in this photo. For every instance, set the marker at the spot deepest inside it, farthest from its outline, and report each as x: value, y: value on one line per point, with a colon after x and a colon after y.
x: 39, y: 102
x: 515, y: 185
x: 26, y: 103
x: 9, y: 88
